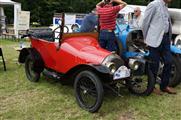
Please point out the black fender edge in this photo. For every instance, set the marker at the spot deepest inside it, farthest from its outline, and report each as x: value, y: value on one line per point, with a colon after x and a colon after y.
x: 37, y: 59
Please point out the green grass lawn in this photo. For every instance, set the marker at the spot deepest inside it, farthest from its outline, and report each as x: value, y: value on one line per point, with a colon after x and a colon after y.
x: 50, y: 100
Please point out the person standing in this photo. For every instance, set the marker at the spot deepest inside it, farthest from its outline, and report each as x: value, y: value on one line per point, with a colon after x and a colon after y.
x: 138, y: 18
x: 89, y: 22
x: 0, y: 29
x: 157, y: 31
x: 107, y: 21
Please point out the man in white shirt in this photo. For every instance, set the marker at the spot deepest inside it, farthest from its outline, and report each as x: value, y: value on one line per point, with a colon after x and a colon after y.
x: 138, y: 18
x: 157, y: 31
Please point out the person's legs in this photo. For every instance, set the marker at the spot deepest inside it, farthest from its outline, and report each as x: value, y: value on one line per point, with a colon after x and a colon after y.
x: 107, y: 40
x: 155, y: 59
x: 167, y: 60
x: 154, y: 56
x: 103, y: 39
x: 111, y: 44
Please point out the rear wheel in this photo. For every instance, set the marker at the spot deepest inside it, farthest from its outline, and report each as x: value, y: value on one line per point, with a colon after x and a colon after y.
x: 176, y: 70
x: 141, y: 83
x: 88, y: 91
x: 31, y: 74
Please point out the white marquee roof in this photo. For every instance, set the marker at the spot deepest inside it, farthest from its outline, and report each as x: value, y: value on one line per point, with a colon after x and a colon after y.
x: 7, y: 2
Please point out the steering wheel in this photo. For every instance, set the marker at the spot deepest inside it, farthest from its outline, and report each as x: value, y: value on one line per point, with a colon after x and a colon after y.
x: 57, y: 31
x: 66, y: 29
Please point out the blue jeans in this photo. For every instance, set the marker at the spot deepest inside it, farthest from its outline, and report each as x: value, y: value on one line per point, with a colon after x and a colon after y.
x: 107, y: 40
x: 162, y: 52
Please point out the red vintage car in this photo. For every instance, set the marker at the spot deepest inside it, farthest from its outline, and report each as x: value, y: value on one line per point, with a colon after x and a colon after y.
x: 78, y: 58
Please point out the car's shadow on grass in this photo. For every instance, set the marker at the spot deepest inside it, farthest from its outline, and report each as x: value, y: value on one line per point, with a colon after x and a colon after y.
x: 117, y: 102
x: 111, y: 102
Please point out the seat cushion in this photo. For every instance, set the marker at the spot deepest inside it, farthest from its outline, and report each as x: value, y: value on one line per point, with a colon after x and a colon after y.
x: 44, y: 35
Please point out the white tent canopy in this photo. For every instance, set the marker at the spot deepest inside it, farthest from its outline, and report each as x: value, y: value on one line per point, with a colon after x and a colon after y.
x: 174, y: 13
x: 7, y: 2
x: 17, y: 7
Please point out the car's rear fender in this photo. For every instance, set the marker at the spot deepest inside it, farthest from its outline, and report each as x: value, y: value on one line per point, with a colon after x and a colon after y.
x: 38, y: 61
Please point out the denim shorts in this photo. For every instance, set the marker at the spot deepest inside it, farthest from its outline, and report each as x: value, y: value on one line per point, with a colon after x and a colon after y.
x: 107, y: 40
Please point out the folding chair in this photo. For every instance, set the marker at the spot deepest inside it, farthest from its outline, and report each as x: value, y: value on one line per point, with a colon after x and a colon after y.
x: 1, y: 54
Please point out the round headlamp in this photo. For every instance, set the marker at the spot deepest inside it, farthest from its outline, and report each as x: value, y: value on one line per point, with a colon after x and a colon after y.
x: 178, y: 41
x: 111, y: 67
x: 179, y: 44
x: 113, y: 62
x: 134, y: 64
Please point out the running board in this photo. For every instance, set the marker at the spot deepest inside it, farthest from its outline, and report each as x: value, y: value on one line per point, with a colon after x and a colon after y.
x: 52, y: 74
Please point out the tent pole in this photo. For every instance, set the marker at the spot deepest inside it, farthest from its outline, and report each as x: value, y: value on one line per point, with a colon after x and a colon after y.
x: 17, y: 8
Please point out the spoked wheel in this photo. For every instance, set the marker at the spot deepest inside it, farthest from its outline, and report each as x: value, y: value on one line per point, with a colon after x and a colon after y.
x: 88, y: 91
x: 30, y: 70
x: 176, y: 70
x: 142, y: 84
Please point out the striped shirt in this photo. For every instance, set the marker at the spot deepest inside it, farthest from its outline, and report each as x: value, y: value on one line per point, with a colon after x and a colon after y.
x: 107, y: 16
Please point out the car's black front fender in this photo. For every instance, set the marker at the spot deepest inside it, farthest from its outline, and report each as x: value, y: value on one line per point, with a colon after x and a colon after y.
x: 101, y: 69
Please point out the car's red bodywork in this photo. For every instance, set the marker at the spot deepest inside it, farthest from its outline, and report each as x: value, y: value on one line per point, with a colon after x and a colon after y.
x: 73, y: 51
x: 77, y: 56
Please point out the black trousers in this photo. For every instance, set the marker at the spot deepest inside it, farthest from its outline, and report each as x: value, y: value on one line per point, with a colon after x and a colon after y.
x: 162, y: 52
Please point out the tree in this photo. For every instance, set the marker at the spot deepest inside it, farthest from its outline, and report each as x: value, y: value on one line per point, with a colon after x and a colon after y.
x: 42, y: 10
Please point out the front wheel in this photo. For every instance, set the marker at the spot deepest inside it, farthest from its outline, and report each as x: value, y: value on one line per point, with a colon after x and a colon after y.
x: 31, y: 74
x: 142, y: 81
x: 88, y: 91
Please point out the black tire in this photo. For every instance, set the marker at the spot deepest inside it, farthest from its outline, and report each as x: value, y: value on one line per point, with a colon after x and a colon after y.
x: 176, y: 70
x: 87, y: 87
x: 30, y: 70
x: 134, y: 84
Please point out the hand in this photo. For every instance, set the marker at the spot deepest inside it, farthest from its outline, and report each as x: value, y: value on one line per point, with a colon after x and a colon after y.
x: 111, y: 1
x: 119, y: 2
x: 100, y: 3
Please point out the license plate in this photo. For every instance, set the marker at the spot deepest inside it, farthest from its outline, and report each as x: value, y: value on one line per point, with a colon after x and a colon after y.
x: 122, y: 72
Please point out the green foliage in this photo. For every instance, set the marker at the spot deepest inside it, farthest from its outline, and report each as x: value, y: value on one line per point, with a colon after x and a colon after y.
x: 42, y: 10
